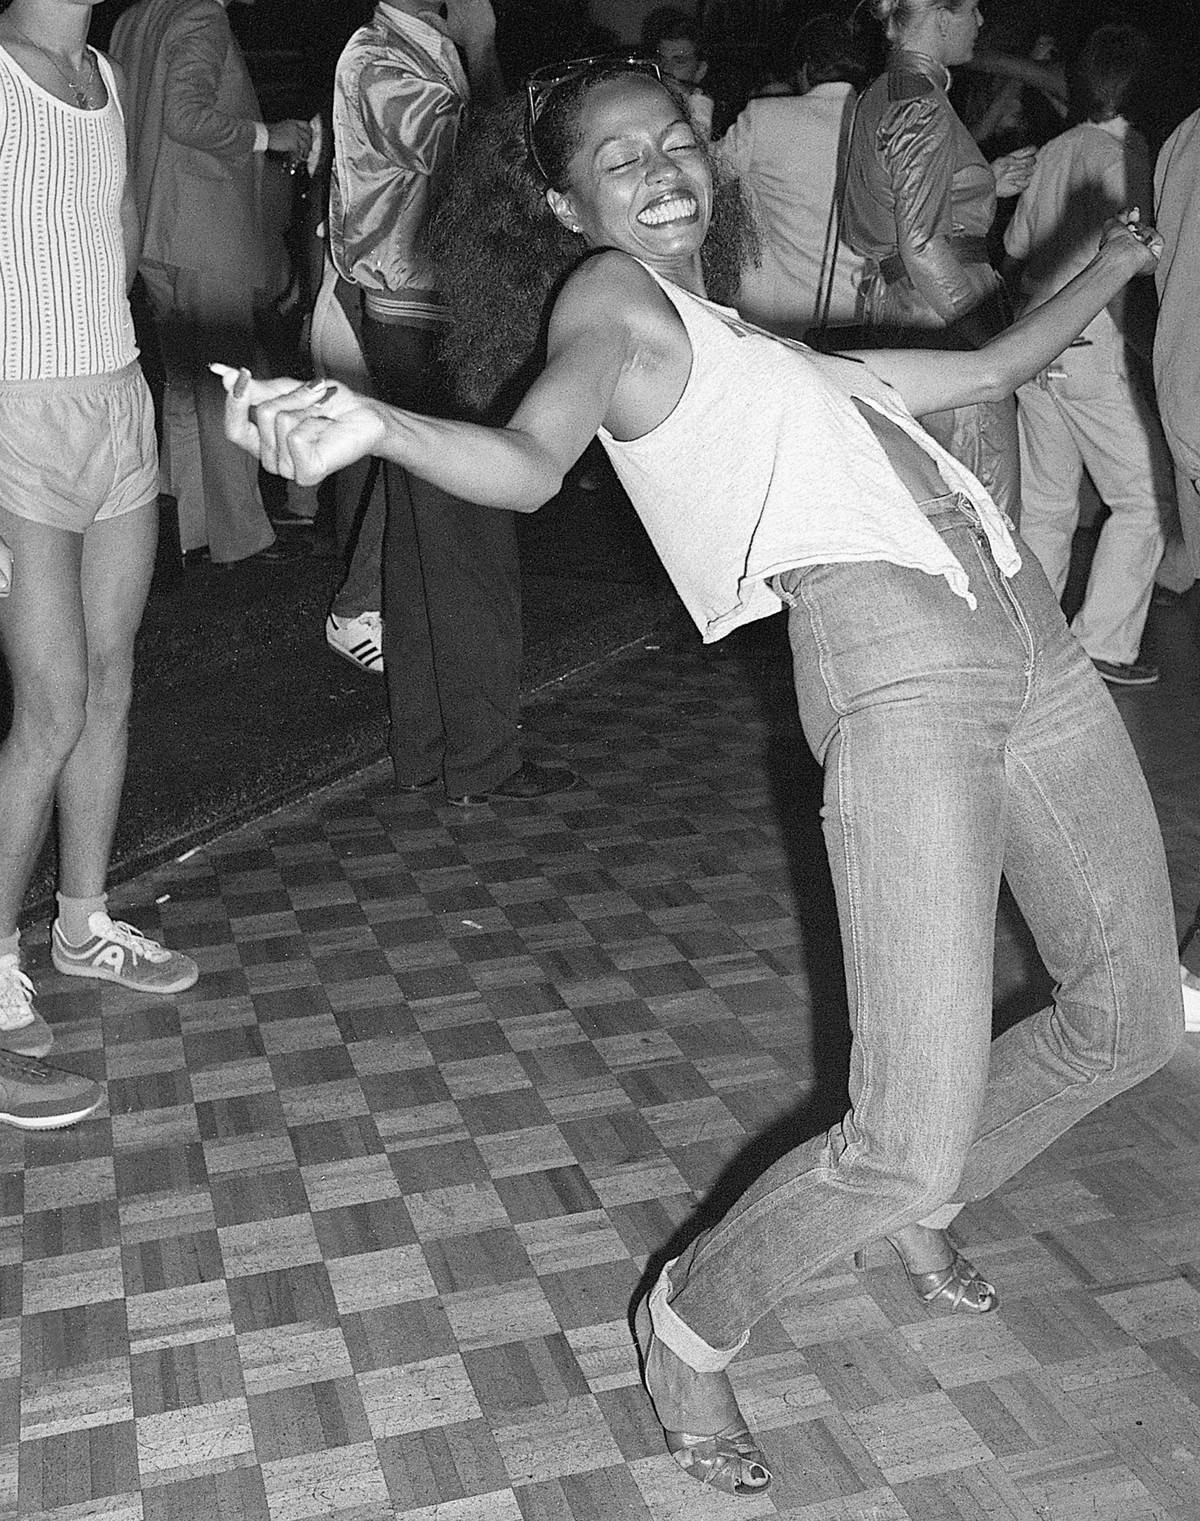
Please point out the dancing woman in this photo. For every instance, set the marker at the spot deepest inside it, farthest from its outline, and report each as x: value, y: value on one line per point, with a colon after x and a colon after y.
x: 963, y: 732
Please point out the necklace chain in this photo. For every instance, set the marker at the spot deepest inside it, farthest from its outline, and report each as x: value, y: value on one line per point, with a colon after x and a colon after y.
x: 80, y: 91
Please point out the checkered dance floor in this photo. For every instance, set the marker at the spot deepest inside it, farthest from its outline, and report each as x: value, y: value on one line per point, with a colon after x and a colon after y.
x: 357, y: 1232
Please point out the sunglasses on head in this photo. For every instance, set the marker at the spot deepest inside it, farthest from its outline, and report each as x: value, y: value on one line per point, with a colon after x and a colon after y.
x: 542, y: 83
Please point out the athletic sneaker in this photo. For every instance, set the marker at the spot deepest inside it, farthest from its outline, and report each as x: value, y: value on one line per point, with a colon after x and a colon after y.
x: 359, y: 640
x: 22, y: 1028
x: 116, y: 952
x: 33, y: 1097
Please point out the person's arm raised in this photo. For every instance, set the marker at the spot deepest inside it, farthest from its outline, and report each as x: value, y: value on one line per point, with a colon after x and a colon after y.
x: 932, y: 381
x: 307, y: 432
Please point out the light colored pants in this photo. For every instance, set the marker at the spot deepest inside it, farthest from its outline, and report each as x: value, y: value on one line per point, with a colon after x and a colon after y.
x: 957, y: 745
x: 1088, y: 412
x: 360, y: 501
x: 201, y: 317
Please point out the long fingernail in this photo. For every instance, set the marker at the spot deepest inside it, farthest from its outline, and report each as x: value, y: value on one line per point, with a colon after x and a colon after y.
x: 243, y: 380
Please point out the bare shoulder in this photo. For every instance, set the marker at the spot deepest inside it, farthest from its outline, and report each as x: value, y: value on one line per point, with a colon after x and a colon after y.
x: 612, y: 306
x: 612, y: 292
x: 609, y: 275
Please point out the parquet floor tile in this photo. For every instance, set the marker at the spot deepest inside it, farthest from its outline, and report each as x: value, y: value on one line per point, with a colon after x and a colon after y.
x: 357, y: 1232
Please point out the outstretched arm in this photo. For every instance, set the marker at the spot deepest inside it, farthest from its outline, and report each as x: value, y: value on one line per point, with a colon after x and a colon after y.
x: 306, y: 432
x: 933, y: 381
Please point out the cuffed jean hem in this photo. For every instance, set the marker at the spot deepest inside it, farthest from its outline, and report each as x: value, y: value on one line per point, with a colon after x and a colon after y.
x: 678, y: 1337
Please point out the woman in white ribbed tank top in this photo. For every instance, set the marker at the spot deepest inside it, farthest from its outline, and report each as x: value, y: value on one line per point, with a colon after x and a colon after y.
x: 963, y: 732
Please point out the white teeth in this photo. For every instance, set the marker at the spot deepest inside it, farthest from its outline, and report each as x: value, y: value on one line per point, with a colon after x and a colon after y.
x: 679, y: 208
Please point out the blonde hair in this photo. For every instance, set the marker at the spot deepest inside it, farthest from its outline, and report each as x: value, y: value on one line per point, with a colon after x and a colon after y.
x: 896, y: 15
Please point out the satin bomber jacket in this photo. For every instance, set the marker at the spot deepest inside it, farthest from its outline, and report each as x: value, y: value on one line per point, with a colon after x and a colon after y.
x: 399, y: 98
x: 916, y: 179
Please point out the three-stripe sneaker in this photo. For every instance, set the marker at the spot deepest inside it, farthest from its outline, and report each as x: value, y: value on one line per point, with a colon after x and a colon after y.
x: 358, y: 640
x: 22, y: 1028
x: 116, y: 952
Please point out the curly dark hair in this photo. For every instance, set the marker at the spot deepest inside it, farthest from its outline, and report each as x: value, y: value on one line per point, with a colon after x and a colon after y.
x: 503, y: 254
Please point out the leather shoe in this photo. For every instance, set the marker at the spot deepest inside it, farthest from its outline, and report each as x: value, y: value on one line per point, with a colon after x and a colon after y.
x: 529, y: 780
x: 420, y: 786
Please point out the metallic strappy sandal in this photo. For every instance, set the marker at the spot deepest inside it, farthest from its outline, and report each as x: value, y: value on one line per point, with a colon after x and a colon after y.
x: 957, y: 1287
x: 728, y: 1460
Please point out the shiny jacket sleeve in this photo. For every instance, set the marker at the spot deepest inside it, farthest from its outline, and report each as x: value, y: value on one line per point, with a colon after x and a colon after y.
x: 196, y: 47
x: 915, y: 143
x: 409, y: 120
x: 384, y: 189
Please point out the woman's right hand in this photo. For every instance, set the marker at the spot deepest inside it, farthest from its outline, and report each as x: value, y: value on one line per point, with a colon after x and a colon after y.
x: 6, y: 569
x: 302, y: 432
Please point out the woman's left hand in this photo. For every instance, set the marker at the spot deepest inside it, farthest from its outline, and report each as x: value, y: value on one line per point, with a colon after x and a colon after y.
x: 6, y: 569
x: 1013, y: 171
x: 1129, y: 234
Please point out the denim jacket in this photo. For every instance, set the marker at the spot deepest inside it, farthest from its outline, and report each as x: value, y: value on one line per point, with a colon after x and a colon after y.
x: 399, y: 97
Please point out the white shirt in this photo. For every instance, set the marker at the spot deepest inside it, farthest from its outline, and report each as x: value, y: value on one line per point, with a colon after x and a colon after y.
x: 1083, y: 177
x: 766, y: 463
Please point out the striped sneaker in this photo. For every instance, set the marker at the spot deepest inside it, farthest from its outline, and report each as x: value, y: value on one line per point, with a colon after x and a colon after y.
x: 33, y: 1097
x: 22, y: 1028
x: 358, y: 640
x: 116, y: 952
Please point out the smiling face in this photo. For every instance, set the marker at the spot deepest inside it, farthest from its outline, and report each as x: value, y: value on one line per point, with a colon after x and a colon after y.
x: 639, y: 180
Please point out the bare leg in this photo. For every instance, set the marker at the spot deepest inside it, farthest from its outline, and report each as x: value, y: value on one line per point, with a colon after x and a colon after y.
x: 118, y: 561
x: 924, y: 1250
x: 67, y: 632
x: 42, y: 634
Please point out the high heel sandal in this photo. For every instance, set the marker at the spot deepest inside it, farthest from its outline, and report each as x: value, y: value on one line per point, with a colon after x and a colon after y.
x: 728, y: 1460
x: 958, y: 1287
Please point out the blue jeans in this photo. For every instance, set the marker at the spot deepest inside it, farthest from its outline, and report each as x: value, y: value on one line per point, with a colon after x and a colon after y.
x: 957, y: 745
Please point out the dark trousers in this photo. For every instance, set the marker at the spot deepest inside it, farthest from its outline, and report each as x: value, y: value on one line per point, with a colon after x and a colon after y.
x: 451, y: 601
